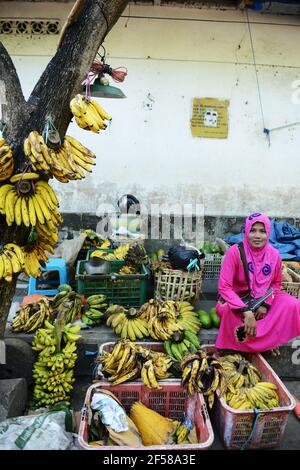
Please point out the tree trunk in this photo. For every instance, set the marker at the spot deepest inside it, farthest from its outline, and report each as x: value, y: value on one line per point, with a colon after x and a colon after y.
x: 50, y: 98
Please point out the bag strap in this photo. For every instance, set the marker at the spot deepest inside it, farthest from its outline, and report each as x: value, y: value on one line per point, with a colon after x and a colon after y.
x: 244, y: 262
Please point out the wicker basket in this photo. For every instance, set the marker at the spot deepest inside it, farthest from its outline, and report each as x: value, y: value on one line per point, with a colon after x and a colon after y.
x: 292, y: 288
x: 173, y: 284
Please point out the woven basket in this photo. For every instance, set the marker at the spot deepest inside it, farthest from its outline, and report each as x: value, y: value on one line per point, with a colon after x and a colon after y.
x: 292, y: 288
x: 173, y: 284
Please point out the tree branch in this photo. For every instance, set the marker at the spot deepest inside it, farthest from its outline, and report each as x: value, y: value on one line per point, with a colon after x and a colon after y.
x: 12, y: 100
x: 73, y: 60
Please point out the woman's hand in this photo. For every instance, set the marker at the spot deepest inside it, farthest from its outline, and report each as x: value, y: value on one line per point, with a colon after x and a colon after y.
x: 260, y: 312
x: 250, y: 323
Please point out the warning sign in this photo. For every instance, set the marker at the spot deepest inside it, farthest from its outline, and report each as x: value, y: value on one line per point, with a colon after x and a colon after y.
x: 210, y: 118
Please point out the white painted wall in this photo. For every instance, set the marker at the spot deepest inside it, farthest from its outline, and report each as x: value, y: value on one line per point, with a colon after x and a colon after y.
x: 175, y: 54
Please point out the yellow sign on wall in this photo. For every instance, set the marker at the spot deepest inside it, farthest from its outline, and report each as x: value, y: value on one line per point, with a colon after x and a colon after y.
x: 210, y: 118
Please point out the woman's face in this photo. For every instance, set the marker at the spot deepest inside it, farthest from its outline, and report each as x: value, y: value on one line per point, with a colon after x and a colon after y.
x: 257, y: 236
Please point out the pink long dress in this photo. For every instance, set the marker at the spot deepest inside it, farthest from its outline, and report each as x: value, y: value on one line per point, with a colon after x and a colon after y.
x: 281, y: 323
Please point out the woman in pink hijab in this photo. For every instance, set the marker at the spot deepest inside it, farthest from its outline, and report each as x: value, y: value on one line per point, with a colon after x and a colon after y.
x: 278, y: 319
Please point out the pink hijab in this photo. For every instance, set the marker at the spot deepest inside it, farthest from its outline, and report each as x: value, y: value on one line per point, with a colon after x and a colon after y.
x: 261, y: 261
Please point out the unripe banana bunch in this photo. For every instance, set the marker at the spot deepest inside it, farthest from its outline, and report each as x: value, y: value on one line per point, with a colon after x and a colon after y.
x: 11, y: 261
x: 6, y: 161
x: 121, y: 364
x: 53, y: 371
x: 202, y: 372
x: 94, y: 310
x: 34, y: 254
x: 21, y: 203
x: 31, y: 317
x: 70, y: 308
x: 186, y: 317
x: 181, y: 434
x: 181, y: 343
x: 89, y: 114
x: 70, y: 333
x: 261, y: 396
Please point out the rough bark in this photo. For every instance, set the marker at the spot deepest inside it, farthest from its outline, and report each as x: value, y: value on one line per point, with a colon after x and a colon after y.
x: 50, y: 97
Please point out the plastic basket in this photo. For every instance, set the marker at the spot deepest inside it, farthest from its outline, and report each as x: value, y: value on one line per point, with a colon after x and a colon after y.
x: 212, y: 266
x: 292, y: 288
x: 171, y: 401
x: 128, y: 290
x: 115, y: 265
x: 235, y: 426
x: 173, y: 284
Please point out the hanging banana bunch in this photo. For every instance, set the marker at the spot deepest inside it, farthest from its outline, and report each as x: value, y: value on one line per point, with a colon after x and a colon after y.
x: 25, y: 202
x: 66, y: 162
x: 89, y: 114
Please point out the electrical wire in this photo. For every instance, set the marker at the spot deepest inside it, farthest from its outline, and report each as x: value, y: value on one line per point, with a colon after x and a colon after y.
x: 255, y: 68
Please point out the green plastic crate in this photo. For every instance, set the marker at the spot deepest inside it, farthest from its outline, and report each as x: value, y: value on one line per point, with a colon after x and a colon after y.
x: 115, y: 265
x: 128, y: 290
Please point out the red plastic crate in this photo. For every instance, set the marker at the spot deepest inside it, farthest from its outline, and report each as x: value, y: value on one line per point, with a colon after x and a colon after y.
x: 235, y: 426
x: 171, y: 401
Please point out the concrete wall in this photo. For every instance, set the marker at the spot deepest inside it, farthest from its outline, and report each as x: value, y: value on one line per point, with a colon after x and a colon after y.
x: 173, y: 55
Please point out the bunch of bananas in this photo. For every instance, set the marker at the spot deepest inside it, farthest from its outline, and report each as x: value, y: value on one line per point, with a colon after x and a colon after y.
x: 89, y: 114
x: 239, y: 372
x: 202, y: 372
x: 30, y: 317
x: 34, y: 253
x: 181, y: 434
x: 164, y: 324
x: 117, y: 255
x: 135, y: 257
x: 11, y: 261
x: 121, y: 364
x: 65, y: 162
x: 94, y: 309
x: 53, y: 370
x: 186, y: 316
x: 68, y: 304
x: 180, y: 343
x: 129, y: 361
x: 93, y: 240
x: 127, y: 270
x: 126, y: 322
x: 26, y: 203
x: 6, y: 161
x: 155, y: 368
x: 261, y: 396
x: 165, y: 318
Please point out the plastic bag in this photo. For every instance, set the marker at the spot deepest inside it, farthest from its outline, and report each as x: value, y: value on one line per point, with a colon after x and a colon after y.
x: 185, y: 258
x: 46, y: 431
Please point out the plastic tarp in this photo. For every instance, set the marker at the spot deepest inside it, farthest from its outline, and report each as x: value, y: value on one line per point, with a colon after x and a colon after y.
x: 284, y: 237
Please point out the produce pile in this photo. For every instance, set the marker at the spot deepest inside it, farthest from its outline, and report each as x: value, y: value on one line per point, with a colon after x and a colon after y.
x: 245, y: 389
x: 128, y: 361
x: 159, y: 320
x: 67, y: 303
